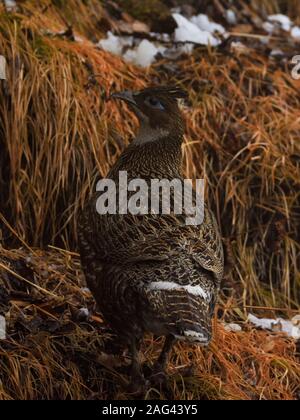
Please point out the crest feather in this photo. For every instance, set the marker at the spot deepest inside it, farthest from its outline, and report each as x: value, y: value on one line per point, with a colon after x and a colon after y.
x: 175, y: 92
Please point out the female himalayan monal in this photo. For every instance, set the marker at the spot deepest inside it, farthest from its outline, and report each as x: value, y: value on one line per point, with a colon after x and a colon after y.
x: 152, y: 272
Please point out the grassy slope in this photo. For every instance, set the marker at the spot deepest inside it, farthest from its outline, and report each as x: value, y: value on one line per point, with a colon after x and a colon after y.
x: 57, y: 132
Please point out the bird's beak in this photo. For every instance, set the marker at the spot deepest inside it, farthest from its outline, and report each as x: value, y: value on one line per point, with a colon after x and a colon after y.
x: 126, y: 96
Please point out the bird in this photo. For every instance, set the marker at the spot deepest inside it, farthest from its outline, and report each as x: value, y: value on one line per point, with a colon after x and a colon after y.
x: 152, y: 273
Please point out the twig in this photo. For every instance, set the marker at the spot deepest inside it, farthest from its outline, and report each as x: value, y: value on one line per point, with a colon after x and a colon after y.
x: 27, y: 281
x: 270, y: 308
x: 257, y: 36
x: 266, y: 308
x: 16, y: 234
x: 75, y: 254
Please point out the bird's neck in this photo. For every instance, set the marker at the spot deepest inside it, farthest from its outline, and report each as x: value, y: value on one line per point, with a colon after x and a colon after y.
x: 156, y: 156
x: 147, y: 134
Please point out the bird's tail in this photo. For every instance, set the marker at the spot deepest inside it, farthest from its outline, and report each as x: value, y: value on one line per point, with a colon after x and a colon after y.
x: 184, y: 311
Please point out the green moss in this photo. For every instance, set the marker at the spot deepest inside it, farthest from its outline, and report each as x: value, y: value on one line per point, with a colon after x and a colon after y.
x: 8, y: 17
x: 82, y: 15
x: 42, y: 48
x: 24, y: 35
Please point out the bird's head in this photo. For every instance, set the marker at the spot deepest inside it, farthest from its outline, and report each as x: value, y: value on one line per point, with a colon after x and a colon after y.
x: 157, y: 109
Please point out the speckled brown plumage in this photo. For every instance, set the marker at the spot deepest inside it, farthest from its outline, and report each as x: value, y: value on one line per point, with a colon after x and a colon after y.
x: 152, y: 272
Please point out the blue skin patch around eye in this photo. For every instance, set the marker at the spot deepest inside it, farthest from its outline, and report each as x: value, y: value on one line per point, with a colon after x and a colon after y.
x: 154, y: 103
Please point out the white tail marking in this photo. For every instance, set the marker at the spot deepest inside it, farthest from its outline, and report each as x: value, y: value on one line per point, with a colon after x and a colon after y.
x: 170, y: 285
x: 193, y: 336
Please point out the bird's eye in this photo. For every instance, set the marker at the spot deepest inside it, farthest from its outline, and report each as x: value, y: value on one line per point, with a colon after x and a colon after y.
x: 154, y: 102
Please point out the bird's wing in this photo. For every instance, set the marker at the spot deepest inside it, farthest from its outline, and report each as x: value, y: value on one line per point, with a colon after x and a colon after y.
x: 128, y: 239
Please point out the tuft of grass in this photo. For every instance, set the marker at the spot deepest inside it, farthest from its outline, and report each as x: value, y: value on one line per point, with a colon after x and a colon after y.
x: 55, y: 129
x: 58, y: 133
x: 85, y: 17
x: 51, y: 352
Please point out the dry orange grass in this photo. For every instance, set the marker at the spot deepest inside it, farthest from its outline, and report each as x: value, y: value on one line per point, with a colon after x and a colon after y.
x: 53, y: 352
x: 57, y: 133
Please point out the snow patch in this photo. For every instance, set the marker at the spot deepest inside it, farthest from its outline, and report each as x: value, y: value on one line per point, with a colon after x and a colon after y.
x: 232, y: 327
x: 144, y: 54
x: 199, y: 30
x: 230, y: 16
x: 160, y: 37
x: 295, y: 32
x: 84, y: 311
x: 282, y: 20
x: 187, y: 31
x: 203, y: 23
x: 83, y: 314
x: 268, y: 27
x: 78, y: 39
x: 10, y: 4
x: 277, y: 21
x: 238, y: 46
x: 115, y: 44
x: 277, y: 53
x: 291, y: 328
